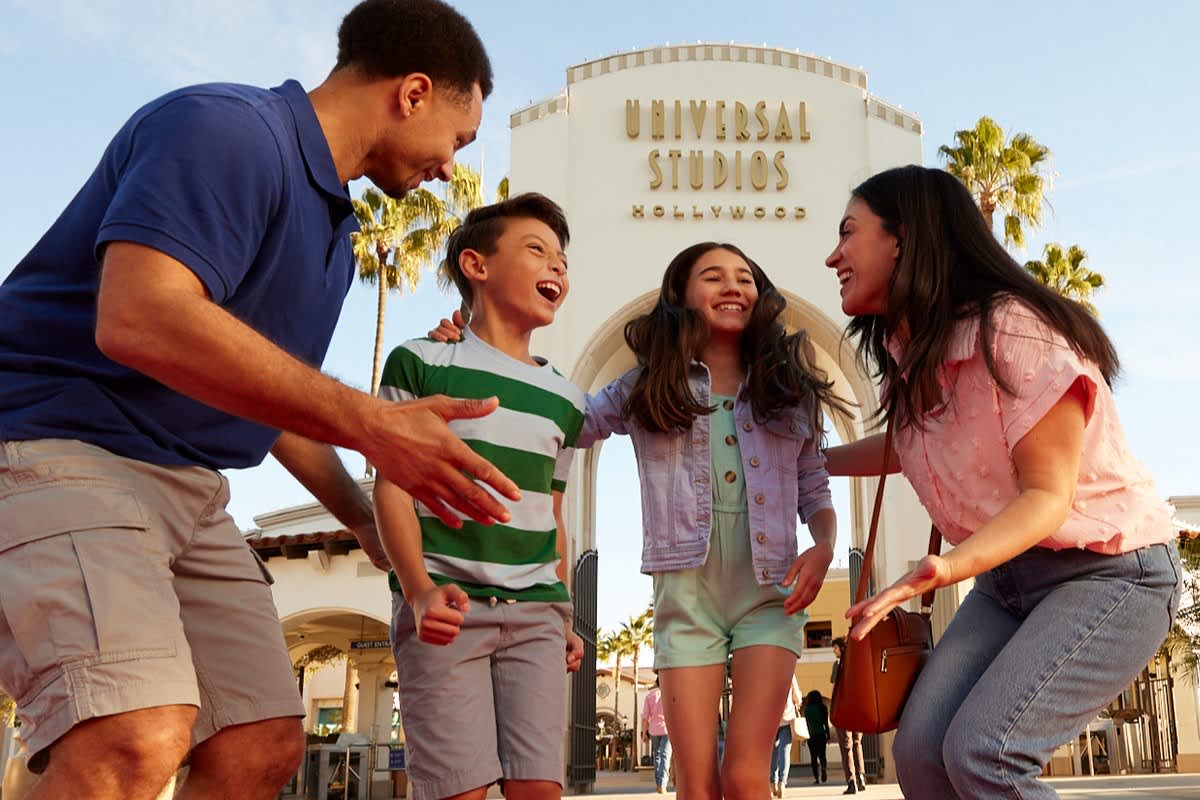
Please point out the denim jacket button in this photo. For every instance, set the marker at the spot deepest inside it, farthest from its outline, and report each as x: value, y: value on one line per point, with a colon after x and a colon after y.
x: 762, y: 538
x: 766, y: 573
x: 746, y: 426
x: 754, y: 461
x: 758, y: 498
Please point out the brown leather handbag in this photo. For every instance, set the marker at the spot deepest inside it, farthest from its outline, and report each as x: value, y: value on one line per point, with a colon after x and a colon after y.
x: 877, y: 674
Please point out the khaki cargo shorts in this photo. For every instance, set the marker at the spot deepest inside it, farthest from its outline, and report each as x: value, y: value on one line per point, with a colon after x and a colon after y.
x: 125, y: 585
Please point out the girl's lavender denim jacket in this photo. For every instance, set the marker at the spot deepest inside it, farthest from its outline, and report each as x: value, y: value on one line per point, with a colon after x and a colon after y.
x: 784, y: 471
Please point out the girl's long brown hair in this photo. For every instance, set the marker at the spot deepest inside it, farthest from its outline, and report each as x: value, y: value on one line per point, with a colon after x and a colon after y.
x: 951, y: 268
x: 780, y: 367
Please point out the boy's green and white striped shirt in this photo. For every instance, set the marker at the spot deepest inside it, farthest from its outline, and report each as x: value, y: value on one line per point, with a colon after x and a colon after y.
x: 530, y: 438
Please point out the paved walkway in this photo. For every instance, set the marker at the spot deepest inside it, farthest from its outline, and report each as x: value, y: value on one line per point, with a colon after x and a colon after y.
x: 620, y: 786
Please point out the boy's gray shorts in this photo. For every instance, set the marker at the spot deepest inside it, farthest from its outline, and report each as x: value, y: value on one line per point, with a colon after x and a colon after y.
x: 491, y: 704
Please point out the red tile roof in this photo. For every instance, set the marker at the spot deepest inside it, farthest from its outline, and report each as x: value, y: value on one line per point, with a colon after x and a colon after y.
x: 298, y: 545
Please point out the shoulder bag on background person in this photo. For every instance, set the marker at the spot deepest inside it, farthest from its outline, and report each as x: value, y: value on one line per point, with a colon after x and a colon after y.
x: 800, y: 726
x: 877, y: 673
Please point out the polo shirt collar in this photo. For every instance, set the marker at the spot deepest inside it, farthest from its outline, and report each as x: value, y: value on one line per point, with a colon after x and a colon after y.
x: 313, y: 143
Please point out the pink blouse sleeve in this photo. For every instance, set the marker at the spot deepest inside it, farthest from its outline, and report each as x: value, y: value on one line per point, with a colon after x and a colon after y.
x: 1039, y: 366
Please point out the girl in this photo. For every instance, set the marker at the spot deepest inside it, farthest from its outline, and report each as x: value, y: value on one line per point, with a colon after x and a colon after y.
x: 724, y: 411
x: 816, y: 714
x: 997, y: 389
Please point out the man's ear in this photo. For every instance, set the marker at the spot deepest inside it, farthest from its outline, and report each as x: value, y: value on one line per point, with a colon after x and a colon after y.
x: 472, y: 265
x: 414, y: 90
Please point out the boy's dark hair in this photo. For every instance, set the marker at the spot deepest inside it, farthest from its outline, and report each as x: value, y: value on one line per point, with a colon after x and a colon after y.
x: 484, y: 226
x: 782, y: 370
x: 839, y: 642
x: 387, y: 38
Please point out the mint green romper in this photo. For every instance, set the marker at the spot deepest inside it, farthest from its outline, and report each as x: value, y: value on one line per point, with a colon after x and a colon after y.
x: 703, y: 614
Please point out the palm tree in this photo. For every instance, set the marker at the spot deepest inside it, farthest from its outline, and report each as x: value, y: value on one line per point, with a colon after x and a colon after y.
x: 638, y: 632
x: 1064, y: 272
x: 1183, y: 640
x: 1006, y: 175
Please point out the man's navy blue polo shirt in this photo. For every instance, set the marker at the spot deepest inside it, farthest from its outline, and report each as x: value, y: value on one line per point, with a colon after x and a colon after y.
x: 239, y: 185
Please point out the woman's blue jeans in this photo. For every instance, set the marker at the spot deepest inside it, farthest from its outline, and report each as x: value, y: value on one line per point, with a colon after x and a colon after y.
x: 1039, y: 646
x: 660, y: 749
x: 781, y: 754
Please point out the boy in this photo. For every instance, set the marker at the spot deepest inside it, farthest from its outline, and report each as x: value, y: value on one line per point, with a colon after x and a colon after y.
x: 481, y: 615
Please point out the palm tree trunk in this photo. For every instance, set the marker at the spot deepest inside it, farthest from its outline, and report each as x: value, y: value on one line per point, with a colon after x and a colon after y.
x: 617, y: 697
x: 637, y: 740
x: 380, y: 310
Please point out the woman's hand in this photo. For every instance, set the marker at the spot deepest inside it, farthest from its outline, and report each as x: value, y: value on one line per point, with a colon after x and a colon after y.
x: 931, y: 572
x: 806, y: 575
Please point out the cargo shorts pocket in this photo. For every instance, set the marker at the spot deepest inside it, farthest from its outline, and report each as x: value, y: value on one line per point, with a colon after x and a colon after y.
x: 79, y: 584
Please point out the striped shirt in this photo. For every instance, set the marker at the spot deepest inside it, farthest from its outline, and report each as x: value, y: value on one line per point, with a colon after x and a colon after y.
x: 530, y: 438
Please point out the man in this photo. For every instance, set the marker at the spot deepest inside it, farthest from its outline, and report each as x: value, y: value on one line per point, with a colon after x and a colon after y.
x: 849, y: 742
x: 163, y: 329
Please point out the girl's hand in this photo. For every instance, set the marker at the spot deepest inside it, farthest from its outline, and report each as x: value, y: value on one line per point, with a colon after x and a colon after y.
x: 931, y: 572
x: 806, y: 575
x: 449, y: 330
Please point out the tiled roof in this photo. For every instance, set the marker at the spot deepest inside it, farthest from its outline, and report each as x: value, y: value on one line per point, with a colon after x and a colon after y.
x: 298, y: 545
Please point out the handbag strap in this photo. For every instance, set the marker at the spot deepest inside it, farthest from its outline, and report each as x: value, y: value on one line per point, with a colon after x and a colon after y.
x: 935, y: 536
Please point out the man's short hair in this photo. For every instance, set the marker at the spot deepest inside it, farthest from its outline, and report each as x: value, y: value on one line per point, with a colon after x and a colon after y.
x: 839, y: 642
x: 388, y: 38
x: 484, y: 226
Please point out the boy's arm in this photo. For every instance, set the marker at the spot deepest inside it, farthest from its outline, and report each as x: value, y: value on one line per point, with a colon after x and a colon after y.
x: 574, y: 642
x: 437, y: 610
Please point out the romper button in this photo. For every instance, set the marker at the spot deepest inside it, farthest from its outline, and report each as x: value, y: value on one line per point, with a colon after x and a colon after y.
x: 730, y: 476
x: 754, y: 461
x: 731, y: 440
x: 758, y: 498
x: 746, y: 426
x: 728, y: 405
x: 762, y: 538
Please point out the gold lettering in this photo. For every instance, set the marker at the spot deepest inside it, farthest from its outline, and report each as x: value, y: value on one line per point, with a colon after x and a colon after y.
x: 676, y: 212
x: 696, y: 168
x: 780, y: 212
x: 697, y: 213
x: 737, y: 212
x: 737, y: 170
x: 802, y: 116
x: 657, y: 113
x: 659, y: 211
x: 678, y: 120
x: 783, y: 128
x: 674, y: 155
x: 639, y: 212
x: 720, y: 169
x: 633, y: 118
x: 760, y: 212
x: 716, y: 211
x: 781, y: 168
x: 655, y: 170
x: 698, y: 113
x: 741, y: 118
x: 760, y: 114
x: 758, y: 170
x: 800, y: 212
x: 720, y: 120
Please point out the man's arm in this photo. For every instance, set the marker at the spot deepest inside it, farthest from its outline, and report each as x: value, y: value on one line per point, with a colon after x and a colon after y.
x: 437, y: 610
x: 317, y: 467
x: 154, y: 316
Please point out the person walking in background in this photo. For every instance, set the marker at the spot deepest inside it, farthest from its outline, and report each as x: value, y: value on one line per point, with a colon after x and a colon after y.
x: 781, y: 756
x: 816, y: 714
x: 849, y: 742
x: 997, y: 392
x: 654, y: 730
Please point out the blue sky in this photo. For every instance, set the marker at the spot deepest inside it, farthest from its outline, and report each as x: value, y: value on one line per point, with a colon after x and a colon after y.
x: 1108, y: 86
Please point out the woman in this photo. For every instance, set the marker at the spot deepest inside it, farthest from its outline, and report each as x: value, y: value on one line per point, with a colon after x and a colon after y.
x: 816, y: 714
x: 997, y: 389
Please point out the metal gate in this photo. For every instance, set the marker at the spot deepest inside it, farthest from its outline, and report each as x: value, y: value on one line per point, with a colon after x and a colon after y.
x: 872, y: 757
x: 581, y: 762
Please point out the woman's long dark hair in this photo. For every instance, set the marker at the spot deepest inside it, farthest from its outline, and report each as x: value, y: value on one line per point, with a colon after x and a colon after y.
x: 780, y: 369
x: 951, y: 268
